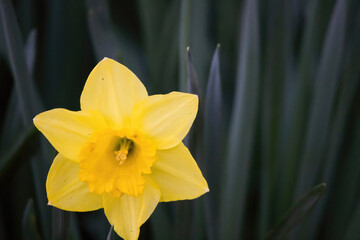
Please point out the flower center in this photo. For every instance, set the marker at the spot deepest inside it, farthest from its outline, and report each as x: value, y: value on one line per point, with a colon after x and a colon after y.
x: 126, y: 146
x: 116, y: 162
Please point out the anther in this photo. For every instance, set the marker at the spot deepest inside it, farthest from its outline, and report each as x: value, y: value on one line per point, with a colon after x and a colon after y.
x: 122, y: 153
x: 121, y: 156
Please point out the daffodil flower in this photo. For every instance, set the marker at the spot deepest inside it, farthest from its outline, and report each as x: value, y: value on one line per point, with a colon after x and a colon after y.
x: 123, y: 151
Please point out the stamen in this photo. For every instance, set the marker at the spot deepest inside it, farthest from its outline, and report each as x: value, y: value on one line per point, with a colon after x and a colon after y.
x: 122, y: 153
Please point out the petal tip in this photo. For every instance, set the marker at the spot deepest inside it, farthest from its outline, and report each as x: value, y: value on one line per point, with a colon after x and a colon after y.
x: 36, y: 121
x: 207, y: 190
x: 105, y: 60
x: 196, y: 98
x: 49, y: 203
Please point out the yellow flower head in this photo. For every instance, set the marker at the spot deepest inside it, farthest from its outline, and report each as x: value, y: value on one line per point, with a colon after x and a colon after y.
x: 122, y: 151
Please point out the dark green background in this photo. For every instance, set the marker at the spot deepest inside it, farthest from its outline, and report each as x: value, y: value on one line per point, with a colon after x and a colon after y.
x: 279, y: 110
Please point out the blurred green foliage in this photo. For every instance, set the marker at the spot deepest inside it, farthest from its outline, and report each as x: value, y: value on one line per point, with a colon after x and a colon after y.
x: 278, y: 114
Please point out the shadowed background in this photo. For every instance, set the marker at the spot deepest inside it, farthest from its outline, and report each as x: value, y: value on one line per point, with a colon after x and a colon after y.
x: 278, y: 114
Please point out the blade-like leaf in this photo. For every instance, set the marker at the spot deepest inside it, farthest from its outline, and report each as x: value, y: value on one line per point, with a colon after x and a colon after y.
x: 184, y: 41
x: 228, y: 15
x: 324, y: 94
x: 342, y: 112
x: 161, y: 224
x: 296, y: 213
x: 107, y: 43
x: 151, y: 13
x: 192, y: 32
x: 277, y: 74
x: 29, y: 222
x: 183, y: 219
x: 190, y: 212
x: 160, y: 29
x: 30, y: 51
x: 19, y: 151
x: 74, y: 227
x: 111, y: 233
x: 298, y: 95
x: 61, y: 221
x: 198, y: 218
x: 12, y: 126
x: 102, y: 33
x: 200, y: 16
x: 242, y: 127
x: 213, y: 139
x: 345, y: 193
x: 353, y: 226
x: 28, y: 99
x: 193, y: 84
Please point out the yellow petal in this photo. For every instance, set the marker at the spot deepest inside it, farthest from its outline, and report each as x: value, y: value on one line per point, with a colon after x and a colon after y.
x: 112, y: 89
x: 128, y: 213
x: 67, y: 131
x: 177, y: 175
x: 66, y: 191
x: 166, y: 118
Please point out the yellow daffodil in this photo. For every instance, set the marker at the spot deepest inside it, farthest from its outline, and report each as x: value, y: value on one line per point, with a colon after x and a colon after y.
x: 122, y: 151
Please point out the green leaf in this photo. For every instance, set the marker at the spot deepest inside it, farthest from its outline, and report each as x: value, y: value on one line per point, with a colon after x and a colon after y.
x: 13, y: 126
x: 277, y: 77
x: 323, y: 102
x: 199, y: 42
x: 183, y: 220
x: 227, y: 12
x: 345, y: 193
x: 324, y: 94
x: 151, y: 13
x: 160, y: 31
x: 61, y: 222
x: 353, y: 225
x: 342, y: 113
x: 26, y: 93
x: 19, y: 151
x: 29, y: 101
x: 184, y: 40
x: 111, y: 233
x: 74, y: 230
x: 107, y: 43
x: 161, y: 224
x: 30, y: 51
x: 296, y: 213
x: 213, y: 143
x: 242, y: 128
x: 29, y: 222
x: 192, y: 32
x: 102, y: 32
x: 194, y: 141
x: 65, y: 55
x: 193, y: 84
x: 298, y: 100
